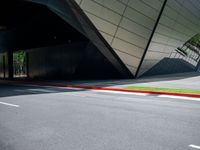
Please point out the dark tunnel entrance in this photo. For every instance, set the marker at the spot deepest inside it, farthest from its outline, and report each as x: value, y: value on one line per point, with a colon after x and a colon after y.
x: 46, y: 39
x: 58, y: 43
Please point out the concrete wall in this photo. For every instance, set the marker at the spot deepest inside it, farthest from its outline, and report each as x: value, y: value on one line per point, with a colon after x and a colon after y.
x: 57, y: 62
x: 69, y: 61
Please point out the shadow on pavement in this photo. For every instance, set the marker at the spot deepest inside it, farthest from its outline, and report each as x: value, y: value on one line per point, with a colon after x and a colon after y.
x: 8, y: 90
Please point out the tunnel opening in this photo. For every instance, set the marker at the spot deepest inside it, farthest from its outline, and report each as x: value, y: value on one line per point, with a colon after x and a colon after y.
x: 55, y: 42
x: 34, y: 31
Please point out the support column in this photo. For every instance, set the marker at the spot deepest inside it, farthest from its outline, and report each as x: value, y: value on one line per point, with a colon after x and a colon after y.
x: 10, y: 64
x: 4, y: 66
x: 27, y: 64
x: 198, y: 67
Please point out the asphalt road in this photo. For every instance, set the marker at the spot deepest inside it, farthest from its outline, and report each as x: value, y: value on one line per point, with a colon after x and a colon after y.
x: 44, y: 118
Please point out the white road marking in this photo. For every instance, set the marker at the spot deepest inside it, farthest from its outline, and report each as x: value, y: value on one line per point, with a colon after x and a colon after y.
x: 118, y: 92
x: 71, y: 88
x: 180, y: 97
x: 108, y: 91
x: 194, y: 146
x: 8, y: 104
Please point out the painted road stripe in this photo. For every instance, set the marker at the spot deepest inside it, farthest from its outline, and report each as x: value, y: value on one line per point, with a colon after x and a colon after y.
x: 8, y: 104
x: 118, y: 92
x: 180, y: 97
x: 71, y: 88
x: 194, y: 146
x: 122, y: 91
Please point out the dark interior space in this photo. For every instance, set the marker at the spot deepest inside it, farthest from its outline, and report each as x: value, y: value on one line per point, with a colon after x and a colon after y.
x: 94, y: 61
x: 26, y: 25
x: 55, y: 49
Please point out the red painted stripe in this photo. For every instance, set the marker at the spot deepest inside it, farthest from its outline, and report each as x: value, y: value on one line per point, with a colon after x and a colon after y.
x: 109, y: 89
x: 124, y: 90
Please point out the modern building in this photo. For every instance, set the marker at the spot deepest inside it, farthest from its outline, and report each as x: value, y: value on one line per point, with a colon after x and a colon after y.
x: 98, y: 39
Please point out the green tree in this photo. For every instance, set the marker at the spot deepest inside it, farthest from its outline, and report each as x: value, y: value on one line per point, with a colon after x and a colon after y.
x: 195, y: 40
x: 19, y: 57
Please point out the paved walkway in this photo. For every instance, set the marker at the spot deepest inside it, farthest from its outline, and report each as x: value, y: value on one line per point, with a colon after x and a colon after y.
x: 178, y: 81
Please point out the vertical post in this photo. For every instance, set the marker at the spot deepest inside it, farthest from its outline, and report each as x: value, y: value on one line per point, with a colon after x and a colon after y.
x: 10, y: 64
x: 198, y: 67
x: 4, y: 66
x: 27, y: 65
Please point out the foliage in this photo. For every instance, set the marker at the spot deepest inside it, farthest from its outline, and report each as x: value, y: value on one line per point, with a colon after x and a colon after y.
x: 19, y: 57
x: 189, y: 91
x: 195, y: 40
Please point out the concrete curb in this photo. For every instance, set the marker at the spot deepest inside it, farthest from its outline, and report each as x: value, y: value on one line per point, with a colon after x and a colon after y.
x: 107, y: 89
x: 124, y: 90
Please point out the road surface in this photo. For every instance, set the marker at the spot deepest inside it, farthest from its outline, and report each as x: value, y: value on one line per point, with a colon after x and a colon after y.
x: 51, y: 118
